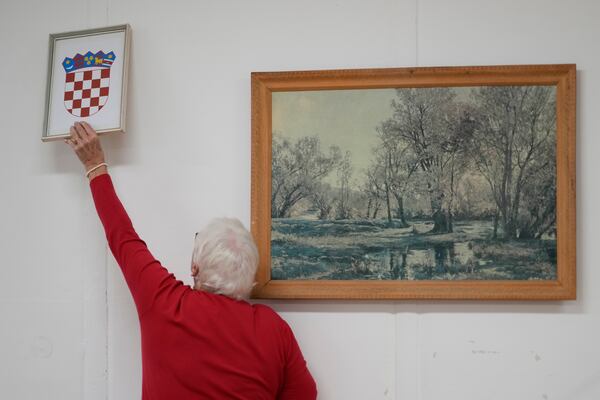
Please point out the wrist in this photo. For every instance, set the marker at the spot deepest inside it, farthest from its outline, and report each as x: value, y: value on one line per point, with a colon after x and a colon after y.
x: 97, y: 172
x: 91, y: 164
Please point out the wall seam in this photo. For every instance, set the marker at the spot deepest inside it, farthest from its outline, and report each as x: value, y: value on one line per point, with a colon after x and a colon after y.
x: 106, y: 321
x: 84, y: 381
x: 418, y: 355
x: 416, y: 33
x: 396, y: 355
x: 84, y: 312
x: 417, y: 314
x: 106, y: 311
x: 107, y: 315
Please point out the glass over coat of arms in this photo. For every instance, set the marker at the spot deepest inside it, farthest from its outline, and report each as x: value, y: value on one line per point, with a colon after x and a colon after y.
x: 87, y: 80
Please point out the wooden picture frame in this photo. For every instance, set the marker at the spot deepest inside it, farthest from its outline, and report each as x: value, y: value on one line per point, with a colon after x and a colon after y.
x: 87, y: 80
x: 562, y: 77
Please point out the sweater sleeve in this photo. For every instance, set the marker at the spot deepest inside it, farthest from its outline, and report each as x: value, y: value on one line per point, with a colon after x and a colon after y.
x: 298, y: 382
x: 144, y: 275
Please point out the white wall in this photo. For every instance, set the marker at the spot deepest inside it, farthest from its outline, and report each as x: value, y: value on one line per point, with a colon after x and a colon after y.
x: 69, y: 330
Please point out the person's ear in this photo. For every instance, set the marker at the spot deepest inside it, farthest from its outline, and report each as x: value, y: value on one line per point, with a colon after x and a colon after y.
x: 195, y: 270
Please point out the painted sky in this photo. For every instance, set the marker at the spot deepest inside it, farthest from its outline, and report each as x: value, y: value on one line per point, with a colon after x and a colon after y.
x: 346, y: 118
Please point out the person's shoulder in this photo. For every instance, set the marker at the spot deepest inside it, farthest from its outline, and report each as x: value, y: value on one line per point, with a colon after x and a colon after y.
x: 265, y: 312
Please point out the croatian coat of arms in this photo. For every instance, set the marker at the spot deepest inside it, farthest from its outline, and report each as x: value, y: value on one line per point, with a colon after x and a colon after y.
x: 87, y: 82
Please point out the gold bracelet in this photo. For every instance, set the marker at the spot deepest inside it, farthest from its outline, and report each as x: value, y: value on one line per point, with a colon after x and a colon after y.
x: 87, y: 174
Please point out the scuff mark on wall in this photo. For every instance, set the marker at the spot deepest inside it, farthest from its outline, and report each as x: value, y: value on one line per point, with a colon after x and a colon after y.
x: 485, y: 352
x: 41, y: 347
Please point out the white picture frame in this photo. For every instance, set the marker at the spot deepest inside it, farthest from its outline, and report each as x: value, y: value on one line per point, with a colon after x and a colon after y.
x: 87, y: 80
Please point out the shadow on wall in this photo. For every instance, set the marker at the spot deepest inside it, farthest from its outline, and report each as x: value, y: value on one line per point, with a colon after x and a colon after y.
x: 427, y: 306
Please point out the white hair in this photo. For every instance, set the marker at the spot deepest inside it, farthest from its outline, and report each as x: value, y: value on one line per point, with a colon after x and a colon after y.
x: 227, y: 258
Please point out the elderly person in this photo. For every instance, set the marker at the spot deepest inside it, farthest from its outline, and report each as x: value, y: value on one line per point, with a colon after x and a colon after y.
x: 206, y: 341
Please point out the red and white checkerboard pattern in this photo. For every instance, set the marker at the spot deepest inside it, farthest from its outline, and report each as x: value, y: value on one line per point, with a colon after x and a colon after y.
x: 86, y: 92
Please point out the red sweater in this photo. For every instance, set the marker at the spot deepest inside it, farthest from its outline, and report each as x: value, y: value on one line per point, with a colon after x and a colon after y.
x: 198, y: 345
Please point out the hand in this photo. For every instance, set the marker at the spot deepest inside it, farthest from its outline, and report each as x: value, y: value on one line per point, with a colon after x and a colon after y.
x: 84, y: 141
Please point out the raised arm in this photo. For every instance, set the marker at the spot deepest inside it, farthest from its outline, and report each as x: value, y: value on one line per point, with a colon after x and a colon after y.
x: 144, y: 274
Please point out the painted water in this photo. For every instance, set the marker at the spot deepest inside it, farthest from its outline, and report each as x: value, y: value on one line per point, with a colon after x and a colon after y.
x: 370, y: 249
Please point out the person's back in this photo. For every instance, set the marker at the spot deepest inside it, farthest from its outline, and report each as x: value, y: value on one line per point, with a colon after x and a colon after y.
x: 204, y: 342
x: 202, y: 345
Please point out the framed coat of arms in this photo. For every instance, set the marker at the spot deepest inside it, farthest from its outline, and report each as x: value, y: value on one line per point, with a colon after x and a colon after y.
x: 415, y: 183
x: 87, y: 80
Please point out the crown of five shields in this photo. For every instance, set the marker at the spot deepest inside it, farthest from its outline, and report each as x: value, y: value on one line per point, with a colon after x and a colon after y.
x: 87, y: 82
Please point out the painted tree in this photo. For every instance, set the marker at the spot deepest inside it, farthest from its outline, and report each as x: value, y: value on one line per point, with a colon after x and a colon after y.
x: 438, y: 133
x: 373, y: 189
x: 471, y: 201
x: 515, y: 152
x: 538, y: 211
x: 393, y: 157
x: 297, y: 168
x: 457, y: 150
x: 344, y: 175
x: 322, y: 199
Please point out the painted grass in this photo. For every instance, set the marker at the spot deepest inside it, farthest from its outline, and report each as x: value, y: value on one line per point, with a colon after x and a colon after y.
x: 355, y: 249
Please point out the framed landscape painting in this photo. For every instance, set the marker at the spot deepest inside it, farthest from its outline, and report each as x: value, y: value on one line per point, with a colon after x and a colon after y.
x: 415, y: 183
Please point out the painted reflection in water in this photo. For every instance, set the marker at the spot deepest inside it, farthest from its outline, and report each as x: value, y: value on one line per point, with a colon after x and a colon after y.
x: 312, y: 249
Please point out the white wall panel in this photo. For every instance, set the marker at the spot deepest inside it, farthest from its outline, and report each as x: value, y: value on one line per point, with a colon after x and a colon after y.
x: 52, y: 280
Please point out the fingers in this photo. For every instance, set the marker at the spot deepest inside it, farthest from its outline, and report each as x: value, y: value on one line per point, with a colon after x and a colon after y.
x: 80, y: 130
x: 88, y: 129
x: 70, y: 143
x: 84, y: 142
x: 73, y: 139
